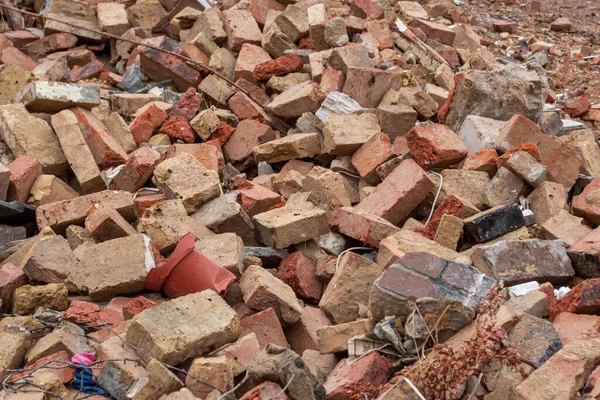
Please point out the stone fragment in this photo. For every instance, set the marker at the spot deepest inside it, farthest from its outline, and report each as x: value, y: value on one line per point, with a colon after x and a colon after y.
x: 334, y: 338
x: 175, y: 176
x: 225, y: 214
x: 52, y: 97
x: 317, y: 18
x: 564, y: 226
x: 28, y: 298
x: 112, y: 18
x: 12, y: 79
x: 159, y: 381
x: 547, y: 200
x: 262, y: 290
x: 119, y: 266
x: 561, y: 24
x: 51, y: 260
x: 296, y: 100
x: 241, y: 27
x: 174, y: 331
x: 449, y: 231
x: 521, y: 92
x: 535, y: 339
x: 27, y: 135
x: 396, y: 120
x: 60, y: 215
x: 349, y: 288
x: 146, y: 13
x: 213, y: 370
x: 571, y: 327
x: 67, y: 337
x: 504, y: 189
x: 288, y: 148
x: 282, y: 227
x: 522, y: 261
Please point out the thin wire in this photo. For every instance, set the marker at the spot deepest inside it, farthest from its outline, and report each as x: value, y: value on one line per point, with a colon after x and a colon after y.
x: 472, y: 396
x: 436, y: 196
x: 414, y: 388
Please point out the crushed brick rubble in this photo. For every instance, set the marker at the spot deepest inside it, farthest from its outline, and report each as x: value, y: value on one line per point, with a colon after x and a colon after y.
x: 271, y: 200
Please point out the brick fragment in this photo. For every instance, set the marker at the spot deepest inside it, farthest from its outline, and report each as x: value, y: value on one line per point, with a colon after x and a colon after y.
x: 24, y: 171
x: 146, y: 123
x: 241, y: 27
x: 137, y: 170
x: 105, y: 223
x: 161, y: 66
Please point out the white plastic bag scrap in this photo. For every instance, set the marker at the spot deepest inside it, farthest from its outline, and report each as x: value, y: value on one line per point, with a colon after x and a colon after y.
x: 523, y: 288
x: 561, y: 292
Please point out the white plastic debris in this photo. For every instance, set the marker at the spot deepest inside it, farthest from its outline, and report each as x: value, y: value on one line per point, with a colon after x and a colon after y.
x: 523, y: 288
x: 561, y: 292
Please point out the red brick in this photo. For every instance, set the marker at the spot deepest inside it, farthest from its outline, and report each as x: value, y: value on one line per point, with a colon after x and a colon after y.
x: 57, y: 360
x: 586, y: 204
x: 435, y: 31
x: 483, y: 160
x: 256, y: 198
x: 255, y: 92
x: 266, y: 326
x: 144, y: 125
x: 299, y: 272
x: 14, y: 56
x: 366, y: 9
x: 206, y: 153
x: 451, y: 205
x: 107, y: 151
x: 244, y: 108
x: 578, y: 107
x: 562, y: 163
x: 20, y: 38
x: 178, y: 128
x: 302, y: 335
x: 61, y: 214
x: 505, y: 26
x: 249, y: 57
x: 137, y: 305
x: 264, y: 391
x: 89, y: 71
x: 161, y: 66
x: 380, y: 30
x: 399, y: 193
x: 408, y: 285
x: 435, y: 146
x: 24, y: 171
x: 137, y: 169
x: 81, y: 312
x: 371, y: 154
x: 260, y: 9
x: 143, y: 201
x: 187, y: 106
x: 361, y: 226
x: 365, y: 375
x: 105, y: 223
x: 280, y: 66
x: 582, y: 299
x: 248, y: 134
x: 332, y: 80
x: 530, y: 148
x: 572, y: 327
x: 193, y: 52
x: 11, y: 277
x: 222, y: 133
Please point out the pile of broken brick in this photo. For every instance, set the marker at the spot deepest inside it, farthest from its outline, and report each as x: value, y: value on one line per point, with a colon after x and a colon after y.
x: 285, y: 201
